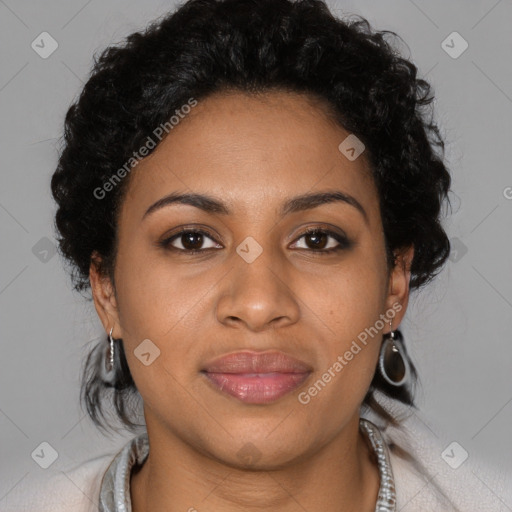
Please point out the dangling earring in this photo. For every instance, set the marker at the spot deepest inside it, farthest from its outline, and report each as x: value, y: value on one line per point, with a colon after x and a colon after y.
x: 109, y: 361
x: 106, y: 361
x: 393, y: 361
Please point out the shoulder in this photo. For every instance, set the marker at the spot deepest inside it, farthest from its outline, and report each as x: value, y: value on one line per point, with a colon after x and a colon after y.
x: 442, y: 476
x: 73, y: 488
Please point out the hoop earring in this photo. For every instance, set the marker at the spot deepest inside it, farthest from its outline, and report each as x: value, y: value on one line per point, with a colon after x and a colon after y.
x: 393, y: 361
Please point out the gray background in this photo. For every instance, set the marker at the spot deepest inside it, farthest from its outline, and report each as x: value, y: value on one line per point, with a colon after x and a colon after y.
x: 458, y: 329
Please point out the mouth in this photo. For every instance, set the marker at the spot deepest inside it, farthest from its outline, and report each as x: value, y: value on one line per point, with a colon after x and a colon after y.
x: 256, y: 377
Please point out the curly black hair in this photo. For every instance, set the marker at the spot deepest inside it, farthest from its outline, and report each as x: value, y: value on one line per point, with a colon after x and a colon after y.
x: 251, y: 46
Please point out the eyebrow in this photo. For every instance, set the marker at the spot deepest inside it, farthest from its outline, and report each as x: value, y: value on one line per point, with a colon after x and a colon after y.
x: 296, y: 204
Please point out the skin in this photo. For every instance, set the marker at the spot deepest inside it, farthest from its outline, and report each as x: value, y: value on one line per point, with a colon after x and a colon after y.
x: 252, y: 153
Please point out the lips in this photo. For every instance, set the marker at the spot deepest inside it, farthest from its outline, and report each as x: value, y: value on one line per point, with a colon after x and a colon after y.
x: 256, y: 377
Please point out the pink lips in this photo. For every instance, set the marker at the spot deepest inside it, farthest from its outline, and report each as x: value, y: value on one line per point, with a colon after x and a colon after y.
x: 256, y: 377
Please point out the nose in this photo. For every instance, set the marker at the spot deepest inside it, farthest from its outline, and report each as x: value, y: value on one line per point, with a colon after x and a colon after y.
x: 258, y: 295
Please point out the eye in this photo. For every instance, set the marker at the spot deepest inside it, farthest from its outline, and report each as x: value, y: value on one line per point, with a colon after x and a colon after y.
x: 190, y: 240
x: 317, y: 240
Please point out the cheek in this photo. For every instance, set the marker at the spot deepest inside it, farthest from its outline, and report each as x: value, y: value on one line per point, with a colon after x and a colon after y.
x: 353, y: 299
x: 153, y: 294
x: 350, y: 310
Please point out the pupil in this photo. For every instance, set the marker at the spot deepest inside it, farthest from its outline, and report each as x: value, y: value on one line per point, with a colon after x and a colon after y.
x: 192, y: 240
x: 316, y: 236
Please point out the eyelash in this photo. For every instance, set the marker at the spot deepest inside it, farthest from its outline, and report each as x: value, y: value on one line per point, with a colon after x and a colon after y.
x: 343, y: 241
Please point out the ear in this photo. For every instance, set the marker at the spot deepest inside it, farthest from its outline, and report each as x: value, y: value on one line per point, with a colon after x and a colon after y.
x: 104, y: 297
x: 398, y: 290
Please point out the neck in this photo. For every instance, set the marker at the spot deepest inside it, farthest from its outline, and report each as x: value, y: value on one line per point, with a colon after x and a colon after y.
x: 342, y: 475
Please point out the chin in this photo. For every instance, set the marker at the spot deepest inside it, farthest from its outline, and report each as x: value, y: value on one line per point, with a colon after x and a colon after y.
x: 259, y: 448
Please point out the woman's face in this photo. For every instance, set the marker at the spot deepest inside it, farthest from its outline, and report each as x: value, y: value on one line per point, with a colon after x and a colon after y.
x: 260, y: 283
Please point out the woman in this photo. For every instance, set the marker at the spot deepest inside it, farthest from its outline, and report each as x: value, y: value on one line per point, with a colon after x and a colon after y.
x: 251, y: 189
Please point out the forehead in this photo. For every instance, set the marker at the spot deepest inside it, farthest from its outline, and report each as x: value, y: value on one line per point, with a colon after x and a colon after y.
x: 252, y: 151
